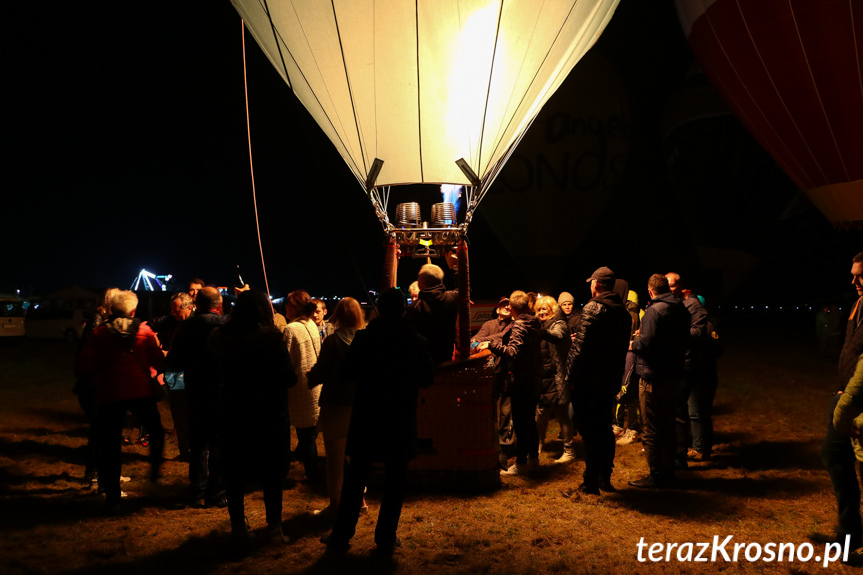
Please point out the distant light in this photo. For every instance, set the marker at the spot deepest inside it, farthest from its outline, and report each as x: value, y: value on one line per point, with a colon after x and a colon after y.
x: 161, y: 281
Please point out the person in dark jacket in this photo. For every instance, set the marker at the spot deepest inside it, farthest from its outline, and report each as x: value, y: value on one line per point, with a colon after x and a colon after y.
x: 837, y: 451
x: 494, y: 328
x: 389, y: 363
x: 191, y: 355
x: 571, y: 312
x: 122, y: 356
x: 520, y: 349
x: 165, y: 328
x: 256, y: 372
x: 628, y: 421
x: 692, y: 365
x: 660, y: 352
x: 702, y: 395
x: 554, y: 394
x: 596, y: 360
x: 337, y: 395
x: 434, y: 313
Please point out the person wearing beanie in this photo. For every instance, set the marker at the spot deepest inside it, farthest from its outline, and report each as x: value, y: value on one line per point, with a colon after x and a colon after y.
x: 570, y: 311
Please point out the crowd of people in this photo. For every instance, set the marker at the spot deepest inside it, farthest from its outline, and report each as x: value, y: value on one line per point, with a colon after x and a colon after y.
x: 237, y: 382
x: 611, y: 372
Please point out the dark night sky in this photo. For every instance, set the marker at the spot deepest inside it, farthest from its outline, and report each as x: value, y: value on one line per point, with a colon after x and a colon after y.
x: 126, y: 148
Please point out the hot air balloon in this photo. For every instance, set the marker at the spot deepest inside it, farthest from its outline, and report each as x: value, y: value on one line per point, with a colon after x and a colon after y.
x: 428, y: 92
x: 790, y: 71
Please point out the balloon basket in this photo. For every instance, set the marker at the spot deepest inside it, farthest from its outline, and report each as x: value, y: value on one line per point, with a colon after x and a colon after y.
x: 457, y: 429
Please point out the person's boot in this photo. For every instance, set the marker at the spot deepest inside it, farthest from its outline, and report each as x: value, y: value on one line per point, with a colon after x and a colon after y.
x: 605, y: 485
x: 568, y: 454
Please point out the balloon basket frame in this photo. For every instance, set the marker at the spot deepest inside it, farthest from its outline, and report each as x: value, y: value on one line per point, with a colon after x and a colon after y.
x: 426, y: 242
x: 457, y: 429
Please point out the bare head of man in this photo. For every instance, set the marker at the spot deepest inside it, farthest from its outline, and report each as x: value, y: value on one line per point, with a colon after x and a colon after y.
x: 857, y: 273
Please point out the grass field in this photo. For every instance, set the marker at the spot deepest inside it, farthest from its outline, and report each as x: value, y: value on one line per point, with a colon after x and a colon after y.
x: 765, y: 484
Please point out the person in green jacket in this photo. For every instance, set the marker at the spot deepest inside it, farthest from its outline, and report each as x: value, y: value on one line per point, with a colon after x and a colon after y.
x: 848, y: 419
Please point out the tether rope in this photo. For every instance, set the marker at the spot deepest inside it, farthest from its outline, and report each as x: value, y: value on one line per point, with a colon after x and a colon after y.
x: 326, y: 196
x: 251, y: 163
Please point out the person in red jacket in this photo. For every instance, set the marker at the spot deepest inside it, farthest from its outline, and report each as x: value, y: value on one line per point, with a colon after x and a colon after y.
x: 121, y: 356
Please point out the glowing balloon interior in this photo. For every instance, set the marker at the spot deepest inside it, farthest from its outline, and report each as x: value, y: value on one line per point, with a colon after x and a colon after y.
x: 422, y: 84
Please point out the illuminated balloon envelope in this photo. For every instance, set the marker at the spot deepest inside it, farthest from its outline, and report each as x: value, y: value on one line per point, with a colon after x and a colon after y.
x: 423, y: 84
x: 790, y: 69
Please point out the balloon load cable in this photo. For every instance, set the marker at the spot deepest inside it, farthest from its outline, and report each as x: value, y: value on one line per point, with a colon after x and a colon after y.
x: 310, y: 145
x: 252, y: 166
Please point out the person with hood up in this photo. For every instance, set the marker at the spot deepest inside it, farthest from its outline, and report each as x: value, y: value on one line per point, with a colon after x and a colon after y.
x: 596, y: 360
x: 122, y: 355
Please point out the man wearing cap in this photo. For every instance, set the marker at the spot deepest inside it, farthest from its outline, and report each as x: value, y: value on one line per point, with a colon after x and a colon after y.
x: 660, y: 352
x: 594, y: 365
x: 493, y: 330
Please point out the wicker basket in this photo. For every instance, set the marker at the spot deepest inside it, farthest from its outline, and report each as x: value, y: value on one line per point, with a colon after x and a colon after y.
x: 457, y: 428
